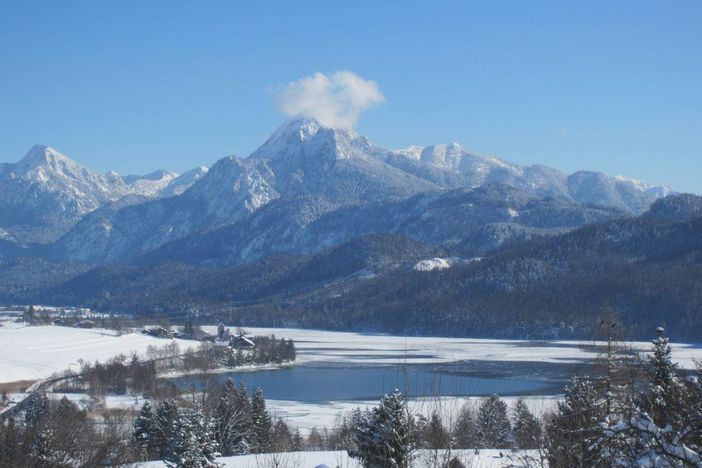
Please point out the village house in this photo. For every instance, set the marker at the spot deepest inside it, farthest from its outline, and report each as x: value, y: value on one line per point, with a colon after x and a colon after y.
x: 84, y: 324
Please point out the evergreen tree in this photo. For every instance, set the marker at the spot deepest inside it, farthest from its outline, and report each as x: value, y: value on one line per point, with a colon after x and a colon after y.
x: 297, y: 442
x: 663, y: 427
x: 10, y: 440
x: 282, y: 437
x: 166, y: 423
x: 665, y: 389
x: 526, y: 428
x: 193, y: 444
x: 493, y: 426
x: 465, y: 431
x: 41, y: 452
x: 385, y: 436
x: 232, y: 418
x: 37, y: 406
x: 434, y: 434
x: 145, y: 432
x: 574, y: 429
x: 261, y: 424
x: 189, y: 329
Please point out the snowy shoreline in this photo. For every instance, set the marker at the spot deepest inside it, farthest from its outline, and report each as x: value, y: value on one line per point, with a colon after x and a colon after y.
x: 37, y: 352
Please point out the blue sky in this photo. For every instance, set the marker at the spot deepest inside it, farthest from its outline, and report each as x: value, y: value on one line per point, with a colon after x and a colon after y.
x: 135, y: 86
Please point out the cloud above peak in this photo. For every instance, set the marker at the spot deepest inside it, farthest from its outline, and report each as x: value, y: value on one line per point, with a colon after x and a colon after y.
x: 336, y: 100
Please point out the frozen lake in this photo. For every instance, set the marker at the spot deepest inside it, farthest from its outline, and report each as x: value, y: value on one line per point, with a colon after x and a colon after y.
x: 320, y: 382
x: 337, y: 371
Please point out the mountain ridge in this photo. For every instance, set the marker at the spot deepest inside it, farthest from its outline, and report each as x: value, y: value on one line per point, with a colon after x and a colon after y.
x: 303, y: 166
x: 44, y: 194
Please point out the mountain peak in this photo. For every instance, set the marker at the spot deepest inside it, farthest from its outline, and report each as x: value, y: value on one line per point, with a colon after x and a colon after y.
x: 294, y: 134
x: 300, y: 127
x: 40, y: 155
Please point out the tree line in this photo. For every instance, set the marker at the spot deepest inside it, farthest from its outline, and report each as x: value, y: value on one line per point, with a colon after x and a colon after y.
x: 626, y: 411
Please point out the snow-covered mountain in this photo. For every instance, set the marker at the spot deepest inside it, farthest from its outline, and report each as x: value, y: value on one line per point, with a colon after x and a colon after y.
x: 308, y: 158
x: 453, y: 165
x: 181, y: 183
x: 310, y: 187
x: 228, y: 192
x: 151, y: 184
x: 304, y: 172
x: 44, y: 194
x: 465, y: 221
x: 302, y: 152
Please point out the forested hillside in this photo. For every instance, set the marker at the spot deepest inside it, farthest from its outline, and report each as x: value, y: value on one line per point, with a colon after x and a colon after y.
x: 643, y: 271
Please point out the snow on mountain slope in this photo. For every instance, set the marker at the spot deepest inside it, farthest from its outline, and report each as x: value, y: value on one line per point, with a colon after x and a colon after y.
x: 308, y: 158
x: 43, y: 195
x: 453, y: 165
x: 302, y: 160
x: 473, y: 221
x: 150, y: 185
x: 161, y: 184
x: 181, y: 183
x: 431, y: 264
x: 229, y: 192
x: 602, y: 189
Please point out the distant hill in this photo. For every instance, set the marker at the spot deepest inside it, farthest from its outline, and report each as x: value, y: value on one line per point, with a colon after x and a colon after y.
x: 642, y: 272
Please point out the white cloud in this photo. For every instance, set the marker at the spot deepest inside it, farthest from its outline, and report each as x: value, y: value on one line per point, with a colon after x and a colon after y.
x: 336, y: 100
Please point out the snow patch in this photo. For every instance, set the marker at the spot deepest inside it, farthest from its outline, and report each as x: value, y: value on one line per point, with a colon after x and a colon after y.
x: 432, y: 264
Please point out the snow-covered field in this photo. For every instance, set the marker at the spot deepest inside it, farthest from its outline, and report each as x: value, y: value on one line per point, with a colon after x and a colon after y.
x: 485, y: 458
x: 29, y: 353
x: 360, y: 348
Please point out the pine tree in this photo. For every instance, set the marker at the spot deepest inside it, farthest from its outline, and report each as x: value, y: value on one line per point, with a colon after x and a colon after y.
x: 665, y: 389
x: 574, y: 429
x: 145, y: 432
x: 37, y: 406
x: 282, y: 437
x: 297, y: 441
x: 261, y: 424
x: 384, y: 436
x: 232, y: 417
x: 465, y: 431
x: 662, y: 427
x: 10, y: 437
x: 434, y: 433
x: 41, y: 451
x: 166, y: 423
x: 193, y: 443
x: 526, y: 428
x: 189, y: 329
x: 493, y: 426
